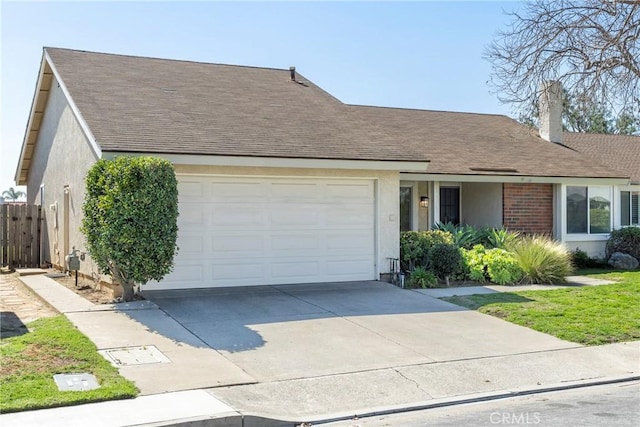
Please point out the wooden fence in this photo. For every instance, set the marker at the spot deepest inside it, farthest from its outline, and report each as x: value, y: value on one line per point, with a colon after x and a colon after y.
x: 20, y: 235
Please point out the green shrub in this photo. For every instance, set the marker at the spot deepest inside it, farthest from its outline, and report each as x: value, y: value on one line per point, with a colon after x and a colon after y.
x: 501, y: 238
x: 464, y: 236
x: 415, y: 245
x: 130, y: 219
x: 625, y: 240
x: 496, y: 265
x: 502, y: 267
x: 542, y: 259
x: 422, y: 278
x: 474, y: 261
x: 444, y: 260
x: 581, y: 259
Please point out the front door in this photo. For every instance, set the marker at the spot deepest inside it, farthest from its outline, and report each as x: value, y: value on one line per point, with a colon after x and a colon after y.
x: 450, y: 205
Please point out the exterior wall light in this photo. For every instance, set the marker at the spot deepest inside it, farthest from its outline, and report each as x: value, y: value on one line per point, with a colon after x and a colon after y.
x: 424, y: 202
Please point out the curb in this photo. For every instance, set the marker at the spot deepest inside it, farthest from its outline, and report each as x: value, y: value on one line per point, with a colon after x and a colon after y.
x: 240, y: 419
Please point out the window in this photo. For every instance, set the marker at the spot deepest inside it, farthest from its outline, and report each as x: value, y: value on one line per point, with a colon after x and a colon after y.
x: 588, y: 210
x: 405, y: 208
x: 629, y: 207
x: 450, y: 205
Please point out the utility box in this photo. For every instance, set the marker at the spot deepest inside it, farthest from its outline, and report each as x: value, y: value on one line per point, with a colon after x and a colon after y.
x: 72, y: 261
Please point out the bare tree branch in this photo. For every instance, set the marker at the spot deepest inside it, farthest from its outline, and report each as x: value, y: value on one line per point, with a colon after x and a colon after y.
x: 591, y: 46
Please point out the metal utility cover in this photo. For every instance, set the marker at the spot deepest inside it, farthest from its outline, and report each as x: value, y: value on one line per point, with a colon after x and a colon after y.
x: 76, y: 382
x: 131, y: 356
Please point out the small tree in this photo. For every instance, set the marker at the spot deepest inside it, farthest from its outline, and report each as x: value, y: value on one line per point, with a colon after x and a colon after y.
x: 445, y: 259
x: 13, y: 194
x: 130, y: 219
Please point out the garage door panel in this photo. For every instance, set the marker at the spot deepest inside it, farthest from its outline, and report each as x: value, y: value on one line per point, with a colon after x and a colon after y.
x: 353, y: 267
x: 241, y: 231
x: 236, y: 191
x: 293, y: 192
x: 297, y: 242
x: 242, y: 271
x: 250, y: 244
x: 236, y: 215
x: 189, y: 272
x: 349, y: 241
x: 351, y: 192
x: 350, y: 216
x: 305, y: 270
x: 191, y: 216
x: 194, y: 189
x: 191, y: 243
x: 294, y: 215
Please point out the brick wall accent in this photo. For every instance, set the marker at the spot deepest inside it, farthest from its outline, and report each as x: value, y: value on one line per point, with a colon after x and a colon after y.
x: 528, y: 208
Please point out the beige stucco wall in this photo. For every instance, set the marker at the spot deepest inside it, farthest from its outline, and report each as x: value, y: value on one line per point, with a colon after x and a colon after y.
x: 481, y: 204
x: 387, y: 188
x: 594, y: 248
x: 62, y: 157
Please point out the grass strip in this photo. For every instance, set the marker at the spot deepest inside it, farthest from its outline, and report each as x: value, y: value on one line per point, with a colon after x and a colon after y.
x: 589, y: 315
x: 54, y: 346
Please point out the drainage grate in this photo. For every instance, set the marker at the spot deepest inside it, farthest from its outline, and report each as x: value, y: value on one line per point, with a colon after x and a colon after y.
x: 131, y: 356
x: 76, y: 382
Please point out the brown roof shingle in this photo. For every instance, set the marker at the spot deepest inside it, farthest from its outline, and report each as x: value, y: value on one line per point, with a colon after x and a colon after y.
x: 620, y: 152
x: 482, y: 144
x: 139, y: 104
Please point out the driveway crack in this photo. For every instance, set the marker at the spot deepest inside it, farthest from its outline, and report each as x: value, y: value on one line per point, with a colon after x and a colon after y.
x: 413, y: 381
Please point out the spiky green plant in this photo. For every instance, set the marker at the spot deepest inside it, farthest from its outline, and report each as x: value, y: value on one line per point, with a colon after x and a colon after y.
x: 542, y: 259
x: 502, y: 238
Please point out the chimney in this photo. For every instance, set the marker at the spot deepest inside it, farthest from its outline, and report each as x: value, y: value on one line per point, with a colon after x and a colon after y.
x: 550, y: 111
x: 292, y: 70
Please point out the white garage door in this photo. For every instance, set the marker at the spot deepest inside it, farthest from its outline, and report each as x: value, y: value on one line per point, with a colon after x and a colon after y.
x: 262, y: 231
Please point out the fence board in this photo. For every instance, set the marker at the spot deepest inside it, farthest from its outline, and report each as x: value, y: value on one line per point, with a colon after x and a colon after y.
x: 20, y: 231
x: 4, y: 243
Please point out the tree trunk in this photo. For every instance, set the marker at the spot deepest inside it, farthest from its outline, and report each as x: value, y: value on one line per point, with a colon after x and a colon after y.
x: 128, y: 290
x: 446, y: 280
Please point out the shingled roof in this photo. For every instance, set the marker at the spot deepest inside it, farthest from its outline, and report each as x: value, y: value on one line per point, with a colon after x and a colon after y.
x: 620, y: 152
x: 482, y: 144
x: 149, y: 105
x: 138, y: 104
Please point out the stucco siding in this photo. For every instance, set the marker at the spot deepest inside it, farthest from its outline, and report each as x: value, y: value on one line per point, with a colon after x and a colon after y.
x: 387, y: 197
x: 594, y: 248
x: 61, y: 158
x: 482, y: 204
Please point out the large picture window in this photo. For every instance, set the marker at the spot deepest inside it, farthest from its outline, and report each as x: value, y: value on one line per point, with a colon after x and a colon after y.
x: 588, y: 210
x: 629, y: 208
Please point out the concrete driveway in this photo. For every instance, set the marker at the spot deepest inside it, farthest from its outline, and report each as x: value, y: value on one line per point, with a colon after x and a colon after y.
x: 300, y: 331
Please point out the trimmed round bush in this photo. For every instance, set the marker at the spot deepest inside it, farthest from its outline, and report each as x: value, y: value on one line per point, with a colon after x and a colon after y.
x: 415, y: 245
x: 444, y: 260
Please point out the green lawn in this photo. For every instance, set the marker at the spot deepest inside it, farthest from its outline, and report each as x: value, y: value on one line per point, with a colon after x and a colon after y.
x: 54, y: 346
x: 588, y: 315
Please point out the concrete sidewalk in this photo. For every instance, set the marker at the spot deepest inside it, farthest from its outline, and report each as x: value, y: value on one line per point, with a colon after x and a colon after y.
x: 204, y: 387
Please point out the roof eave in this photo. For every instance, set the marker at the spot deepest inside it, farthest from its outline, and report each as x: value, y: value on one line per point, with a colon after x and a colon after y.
x: 505, y: 178
x: 38, y: 105
x: 418, y: 166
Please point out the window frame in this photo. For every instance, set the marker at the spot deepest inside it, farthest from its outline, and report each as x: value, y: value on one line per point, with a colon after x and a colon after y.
x: 610, y: 199
x: 632, y: 193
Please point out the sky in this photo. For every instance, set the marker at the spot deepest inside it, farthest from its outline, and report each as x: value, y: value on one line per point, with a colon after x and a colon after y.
x: 420, y: 54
